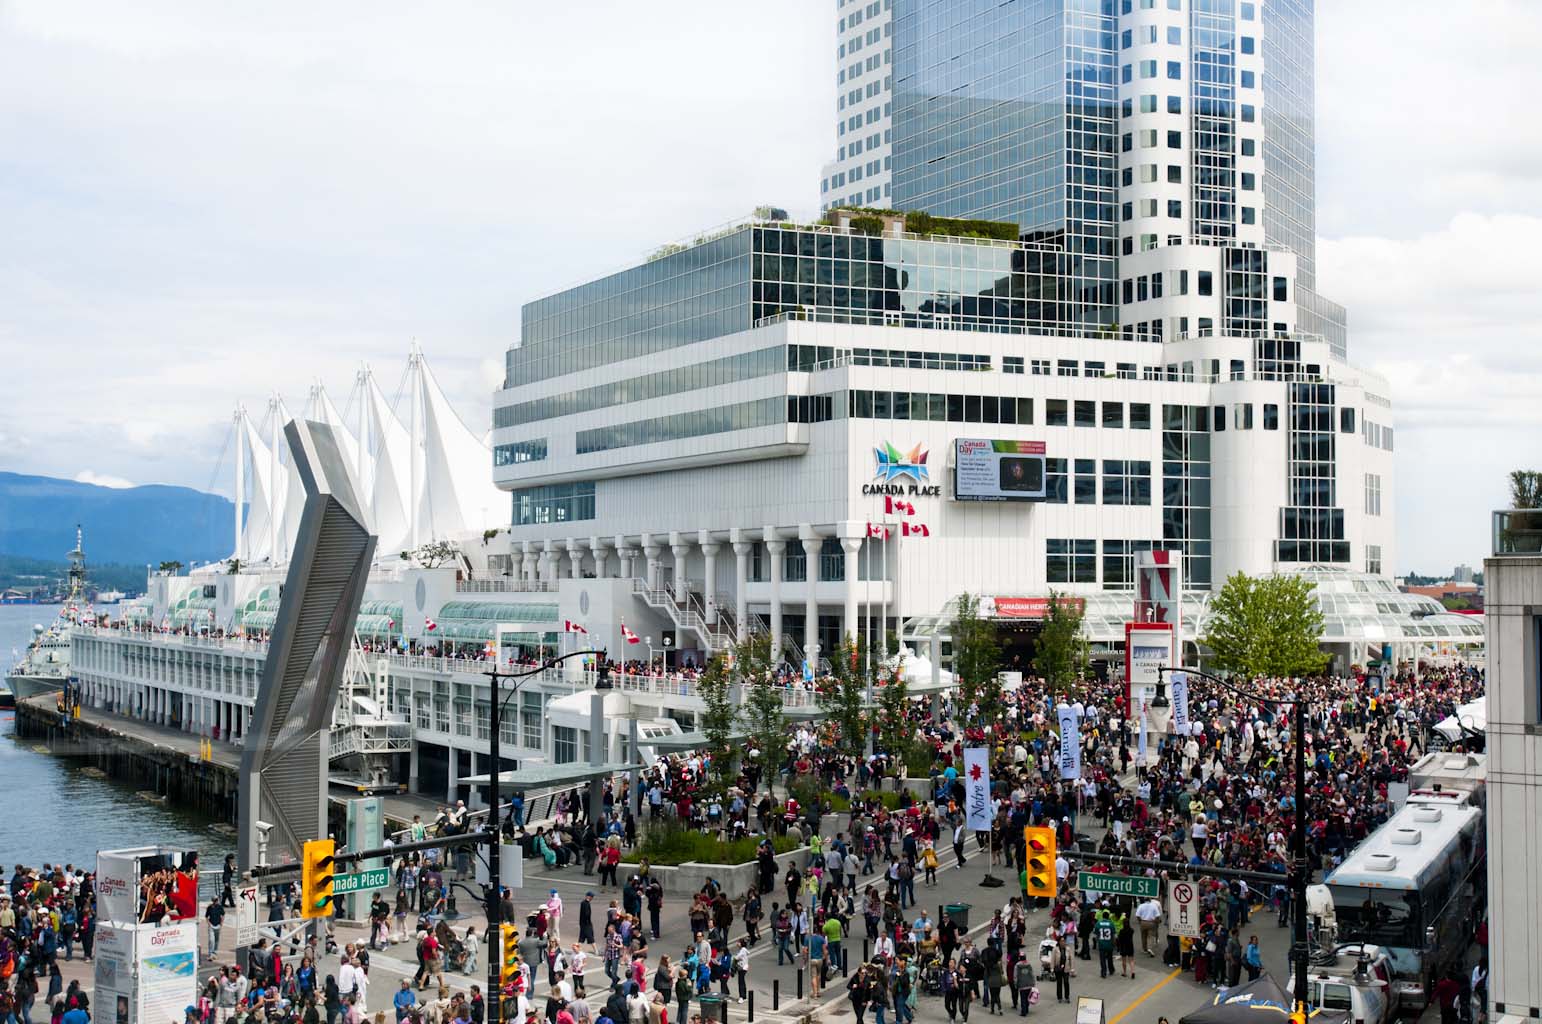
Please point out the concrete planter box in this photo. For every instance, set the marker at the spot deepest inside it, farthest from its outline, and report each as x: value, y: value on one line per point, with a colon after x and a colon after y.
x: 734, y: 879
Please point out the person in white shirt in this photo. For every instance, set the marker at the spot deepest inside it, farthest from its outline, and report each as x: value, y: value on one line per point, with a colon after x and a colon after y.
x: 351, y: 978
x: 1148, y: 914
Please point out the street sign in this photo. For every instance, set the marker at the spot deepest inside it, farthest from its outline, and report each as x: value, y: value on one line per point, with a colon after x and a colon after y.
x: 246, y: 916
x: 377, y: 878
x: 1183, y: 910
x: 1117, y: 885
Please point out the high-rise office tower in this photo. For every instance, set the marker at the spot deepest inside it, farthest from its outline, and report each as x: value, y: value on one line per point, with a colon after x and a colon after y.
x: 1120, y: 131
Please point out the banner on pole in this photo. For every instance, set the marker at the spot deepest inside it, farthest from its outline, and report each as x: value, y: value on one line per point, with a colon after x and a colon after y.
x: 977, y: 788
x: 1140, y: 742
x: 1070, y: 743
x: 1181, y: 703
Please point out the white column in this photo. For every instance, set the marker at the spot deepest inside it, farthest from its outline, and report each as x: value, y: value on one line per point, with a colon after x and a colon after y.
x: 651, y: 550
x: 624, y: 556
x: 476, y: 791
x: 453, y: 782
x: 709, y: 550
x: 742, y: 549
x: 550, y: 570
x: 852, y: 625
x: 811, y: 546
x: 576, y: 558
x: 680, y: 547
x: 601, y: 559
x: 775, y: 547
x: 527, y: 562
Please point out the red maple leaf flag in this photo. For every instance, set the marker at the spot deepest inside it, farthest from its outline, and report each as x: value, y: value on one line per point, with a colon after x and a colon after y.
x: 430, y: 625
x: 914, y: 530
x: 631, y: 637
x: 893, y: 506
x: 569, y: 626
x: 874, y: 530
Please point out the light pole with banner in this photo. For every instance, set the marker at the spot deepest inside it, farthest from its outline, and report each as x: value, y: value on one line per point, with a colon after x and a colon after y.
x: 1300, y: 875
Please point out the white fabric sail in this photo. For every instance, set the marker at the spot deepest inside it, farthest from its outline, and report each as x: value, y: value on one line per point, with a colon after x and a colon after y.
x: 256, y: 531
x: 456, y: 494
x: 323, y: 411
x: 392, y: 447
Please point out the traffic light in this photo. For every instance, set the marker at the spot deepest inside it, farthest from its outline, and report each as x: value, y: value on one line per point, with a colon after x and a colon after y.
x: 508, y: 968
x: 1040, y: 871
x: 316, y: 878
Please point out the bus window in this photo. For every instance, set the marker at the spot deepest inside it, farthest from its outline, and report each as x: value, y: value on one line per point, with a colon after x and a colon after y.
x: 1387, y: 917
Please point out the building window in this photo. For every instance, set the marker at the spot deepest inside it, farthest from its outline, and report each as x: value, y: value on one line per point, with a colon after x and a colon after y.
x: 1012, y: 364
x: 553, y: 503
x: 1085, y: 482
x: 1373, y: 494
x: 520, y: 451
x: 1206, y: 283
x: 1271, y: 416
x: 1126, y: 482
x: 1070, y: 561
x: 1055, y: 481
x: 1113, y: 414
x: 1346, y: 421
x: 1055, y: 413
x: 1086, y: 414
x: 1373, y: 559
x: 1140, y: 416
x: 564, y: 742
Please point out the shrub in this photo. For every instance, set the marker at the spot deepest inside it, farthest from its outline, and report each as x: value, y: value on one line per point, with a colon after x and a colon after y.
x: 865, y: 225
x: 670, y: 844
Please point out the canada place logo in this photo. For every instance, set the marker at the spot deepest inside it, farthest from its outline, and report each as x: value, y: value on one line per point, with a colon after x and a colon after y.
x: 894, y: 463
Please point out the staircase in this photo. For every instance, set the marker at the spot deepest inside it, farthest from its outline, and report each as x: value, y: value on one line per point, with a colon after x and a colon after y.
x: 688, y: 615
x: 362, y: 724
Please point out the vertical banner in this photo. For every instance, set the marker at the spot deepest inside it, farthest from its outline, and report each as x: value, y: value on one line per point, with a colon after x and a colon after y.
x: 977, y: 788
x: 1070, y: 743
x: 1140, y: 742
x: 168, y: 972
x: 117, y: 888
x: 113, y: 999
x: 1181, y: 703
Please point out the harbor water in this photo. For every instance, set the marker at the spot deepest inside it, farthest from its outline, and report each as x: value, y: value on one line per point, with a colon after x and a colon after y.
x: 54, y: 811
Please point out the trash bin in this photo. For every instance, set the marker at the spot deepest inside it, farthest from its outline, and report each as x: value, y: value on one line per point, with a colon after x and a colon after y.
x: 959, y: 912
x: 1085, y: 843
x: 713, y: 1007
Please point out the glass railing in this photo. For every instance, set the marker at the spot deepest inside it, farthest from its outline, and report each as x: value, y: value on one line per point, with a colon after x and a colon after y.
x: 1517, y: 531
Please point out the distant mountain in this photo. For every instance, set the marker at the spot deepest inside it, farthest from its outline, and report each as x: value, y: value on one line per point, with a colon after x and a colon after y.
x: 132, y: 525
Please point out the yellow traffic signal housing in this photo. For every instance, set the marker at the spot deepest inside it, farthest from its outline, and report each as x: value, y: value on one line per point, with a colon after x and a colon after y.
x: 508, y: 968
x: 316, y: 878
x: 1040, y: 871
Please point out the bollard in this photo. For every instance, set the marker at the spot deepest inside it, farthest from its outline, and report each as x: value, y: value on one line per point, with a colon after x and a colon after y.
x: 776, y: 994
x: 800, y: 984
x: 845, y: 960
x: 750, y: 1008
x: 867, y: 955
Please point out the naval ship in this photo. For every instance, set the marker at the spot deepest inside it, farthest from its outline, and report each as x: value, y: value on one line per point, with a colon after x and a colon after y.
x: 45, y: 667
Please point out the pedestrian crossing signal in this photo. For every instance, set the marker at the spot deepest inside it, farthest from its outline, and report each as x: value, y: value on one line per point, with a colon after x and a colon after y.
x: 1040, y: 871
x: 316, y: 878
x: 508, y: 964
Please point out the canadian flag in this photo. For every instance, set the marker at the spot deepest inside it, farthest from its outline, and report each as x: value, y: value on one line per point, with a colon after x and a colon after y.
x: 490, y: 652
x: 892, y: 506
x: 430, y: 625
x: 631, y: 637
x: 874, y: 530
x: 569, y: 626
x: 917, y: 530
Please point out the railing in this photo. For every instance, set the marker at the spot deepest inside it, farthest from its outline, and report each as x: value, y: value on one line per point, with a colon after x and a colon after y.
x: 216, y: 643
x: 505, y: 586
x: 438, y: 665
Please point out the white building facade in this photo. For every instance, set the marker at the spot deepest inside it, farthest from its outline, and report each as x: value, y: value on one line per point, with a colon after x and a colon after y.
x: 859, y: 174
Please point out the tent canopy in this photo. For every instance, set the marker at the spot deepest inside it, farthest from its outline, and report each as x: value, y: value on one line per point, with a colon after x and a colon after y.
x: 1257, y: 1002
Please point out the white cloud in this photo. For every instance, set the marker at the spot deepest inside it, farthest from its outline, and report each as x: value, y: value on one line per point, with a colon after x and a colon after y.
x: 87, y: 476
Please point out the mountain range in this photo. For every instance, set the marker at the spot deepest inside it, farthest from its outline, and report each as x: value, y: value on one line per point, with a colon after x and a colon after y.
x: 133, y: 525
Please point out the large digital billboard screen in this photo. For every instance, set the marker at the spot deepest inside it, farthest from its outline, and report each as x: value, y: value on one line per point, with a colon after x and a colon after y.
x: 998, y: 470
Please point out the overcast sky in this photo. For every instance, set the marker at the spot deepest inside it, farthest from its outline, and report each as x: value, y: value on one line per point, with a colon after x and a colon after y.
x: 202, y: 203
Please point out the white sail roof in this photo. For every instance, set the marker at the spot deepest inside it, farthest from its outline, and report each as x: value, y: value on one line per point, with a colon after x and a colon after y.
x: 257, y: 531
x: 457, y: 494
x: 391, y: 448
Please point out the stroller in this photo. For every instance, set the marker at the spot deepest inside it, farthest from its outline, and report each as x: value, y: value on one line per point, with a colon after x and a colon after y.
x: 1046, y: 948
x: 452, y: 948
x: 931, y: 977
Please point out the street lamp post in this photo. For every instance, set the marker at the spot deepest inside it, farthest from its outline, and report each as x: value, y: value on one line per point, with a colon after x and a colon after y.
x: 493, y: 891
x: 1300, y: 875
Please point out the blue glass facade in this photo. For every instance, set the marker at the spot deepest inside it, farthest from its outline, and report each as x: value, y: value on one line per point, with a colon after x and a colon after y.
x: 1007, y: 111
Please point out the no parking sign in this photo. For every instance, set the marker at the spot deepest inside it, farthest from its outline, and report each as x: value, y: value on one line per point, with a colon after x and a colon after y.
x: 1183, y: 910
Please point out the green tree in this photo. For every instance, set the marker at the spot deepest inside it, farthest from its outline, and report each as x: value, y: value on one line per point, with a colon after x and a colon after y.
x: 892, y: 696
x: 170, y: 568
x: 717, y: 721
x: 845, y: 695
x: 763, y: 714
x: 1061, y: 656
x: 976, y: 658
x: 1265, y: 626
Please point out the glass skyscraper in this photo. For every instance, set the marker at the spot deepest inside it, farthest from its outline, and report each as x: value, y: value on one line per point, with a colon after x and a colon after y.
x: 1008, y: 112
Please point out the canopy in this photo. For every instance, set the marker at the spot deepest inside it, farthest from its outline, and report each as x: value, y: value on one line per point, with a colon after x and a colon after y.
x: 541, y: 776
x: 1257, y: 1002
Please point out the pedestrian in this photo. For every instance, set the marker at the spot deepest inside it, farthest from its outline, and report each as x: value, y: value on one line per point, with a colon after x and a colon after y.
x: 1060, y: 966
x: 473, y: 946
x: 586, y: 921
x: 742, y: 968
x: 857, y: 992
x: 1149, y: 913
x: 1124, y: 944
x: 1447, y: 991
x: 1023, y: 985
x: 1103, y: 934
x: 215, y: 916
x: 684, y: 989
x: 1252, y: 960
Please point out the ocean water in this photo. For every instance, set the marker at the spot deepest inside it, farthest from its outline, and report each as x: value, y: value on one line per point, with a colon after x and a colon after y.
x: 52, y: 811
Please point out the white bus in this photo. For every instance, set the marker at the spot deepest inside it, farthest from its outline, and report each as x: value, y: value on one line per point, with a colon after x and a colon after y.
x: 1460, y: 727
x: 1409, y: 889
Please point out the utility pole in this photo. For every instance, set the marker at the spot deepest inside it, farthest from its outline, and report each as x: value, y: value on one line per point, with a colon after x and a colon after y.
x: 493, y: 892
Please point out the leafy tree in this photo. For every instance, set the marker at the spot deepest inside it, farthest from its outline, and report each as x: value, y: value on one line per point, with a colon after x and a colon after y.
x: 976, y: 658
x: 763, y: 713
x: 844, y: 698
x: 1265, y: 626
x: 1061, y: 656
x: 895, y: 735
x: 434, y: 554
x: 170, y: 568
x: 717, y: 721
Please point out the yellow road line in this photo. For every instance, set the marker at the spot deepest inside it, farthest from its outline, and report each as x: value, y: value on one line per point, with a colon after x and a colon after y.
x: 1145, y: 995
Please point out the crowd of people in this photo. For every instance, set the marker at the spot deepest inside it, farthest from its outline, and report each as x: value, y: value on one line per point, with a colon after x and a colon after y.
x: 45, y: 914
